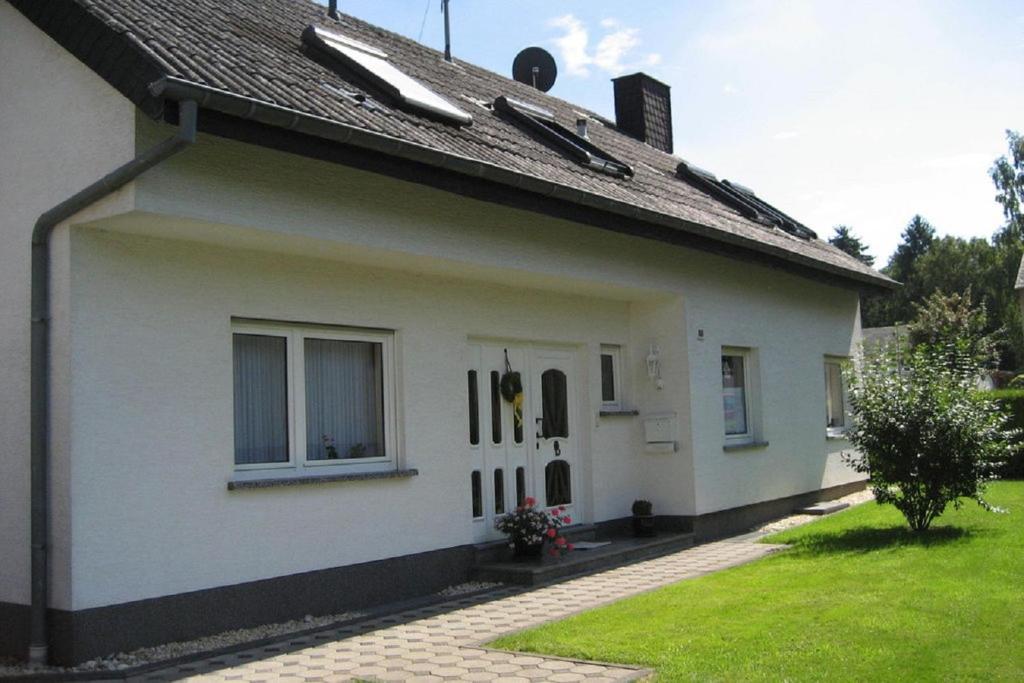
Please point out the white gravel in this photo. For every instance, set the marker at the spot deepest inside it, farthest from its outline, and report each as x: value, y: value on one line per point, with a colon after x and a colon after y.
x: 468, y: 587
x: 148, y: 655
x: 796, y: 520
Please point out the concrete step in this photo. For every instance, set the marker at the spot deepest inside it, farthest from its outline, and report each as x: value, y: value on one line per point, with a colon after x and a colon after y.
x: 823, y: 508
x: 619, y: 551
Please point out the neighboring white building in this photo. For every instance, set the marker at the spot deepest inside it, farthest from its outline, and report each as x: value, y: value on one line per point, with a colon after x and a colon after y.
x: 338, y: 254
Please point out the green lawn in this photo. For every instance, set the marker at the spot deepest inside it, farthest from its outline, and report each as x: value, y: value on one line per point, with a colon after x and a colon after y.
x: 857, y: 597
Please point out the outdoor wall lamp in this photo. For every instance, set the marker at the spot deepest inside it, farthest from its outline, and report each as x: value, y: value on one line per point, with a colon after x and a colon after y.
x: 654, y: 366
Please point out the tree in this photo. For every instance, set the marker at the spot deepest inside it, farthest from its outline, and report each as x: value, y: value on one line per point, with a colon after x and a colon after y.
x: 1008, y: 177
x: 845, y: 240
x: 950, y: 325
x: 917, y: 238
x: 926, y: 438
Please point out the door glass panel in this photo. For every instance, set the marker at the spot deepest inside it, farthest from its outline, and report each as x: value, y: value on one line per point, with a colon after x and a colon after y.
x: 478, y: 498
x: 495, y: 407
x: 555, y: 400
x: 499, y: 491
x: 556, y: 483
x: 474, y: 409
x: 520, y: 485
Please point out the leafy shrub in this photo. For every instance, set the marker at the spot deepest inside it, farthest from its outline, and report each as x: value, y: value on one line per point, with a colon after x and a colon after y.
x: 927, y: 438
x: 1012, y: 401
x: 642, y: 507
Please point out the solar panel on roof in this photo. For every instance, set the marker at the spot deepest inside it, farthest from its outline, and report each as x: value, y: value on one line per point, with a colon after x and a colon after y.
x: 372, y: 64
x: 543, y: 122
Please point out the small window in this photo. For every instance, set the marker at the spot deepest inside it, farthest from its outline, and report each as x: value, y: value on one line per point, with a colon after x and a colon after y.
x: 306, y: 396
x: 610, y: 360
x: 371, y: 64
x: 499, y: 491
x: 474, y: 409
x: 495, y: 407
x: 476, y: 492
x: 835, y: 400
x: 542, y: 123
x: 736, y: 395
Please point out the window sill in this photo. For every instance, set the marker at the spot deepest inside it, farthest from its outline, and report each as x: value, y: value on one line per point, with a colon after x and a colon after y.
x: 310, y: 479
x: 747, y: 446
x: 618, y: 413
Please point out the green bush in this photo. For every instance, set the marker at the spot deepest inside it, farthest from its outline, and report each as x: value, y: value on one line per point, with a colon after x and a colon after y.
x: 926, y: 436
x: 1012, y: 401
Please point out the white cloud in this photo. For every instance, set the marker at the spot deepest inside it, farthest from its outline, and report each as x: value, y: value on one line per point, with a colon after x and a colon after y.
x: 730, y: 89
x: 786, y: 135
x: 611, y: 54
x: 572, y: 44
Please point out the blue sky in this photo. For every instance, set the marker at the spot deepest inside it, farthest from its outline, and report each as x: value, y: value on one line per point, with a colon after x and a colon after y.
x: 860, y: 112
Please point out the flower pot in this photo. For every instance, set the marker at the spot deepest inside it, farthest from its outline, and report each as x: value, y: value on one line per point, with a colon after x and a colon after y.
x: 527, y: 551
x: 643, y: 526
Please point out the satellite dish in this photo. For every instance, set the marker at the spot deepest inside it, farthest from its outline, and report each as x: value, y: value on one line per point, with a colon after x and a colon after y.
x: 535, y: 67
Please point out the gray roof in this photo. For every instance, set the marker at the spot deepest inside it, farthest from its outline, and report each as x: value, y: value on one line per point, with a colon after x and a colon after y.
x: 253, y: 49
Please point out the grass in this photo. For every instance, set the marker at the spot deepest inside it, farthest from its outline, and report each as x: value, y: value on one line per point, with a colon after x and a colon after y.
x: 857, y: 597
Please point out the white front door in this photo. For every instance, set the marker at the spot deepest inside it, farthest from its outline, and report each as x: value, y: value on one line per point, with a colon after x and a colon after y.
x: 511, y: 459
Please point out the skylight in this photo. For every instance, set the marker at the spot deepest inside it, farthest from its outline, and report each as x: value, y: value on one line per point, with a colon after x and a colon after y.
x: 742, y: 199
x: 371, y: 63
x: 542, y: 122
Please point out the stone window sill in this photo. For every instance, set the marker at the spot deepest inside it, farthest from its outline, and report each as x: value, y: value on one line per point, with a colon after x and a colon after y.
x: 748, y: 446
x: 312, y: 479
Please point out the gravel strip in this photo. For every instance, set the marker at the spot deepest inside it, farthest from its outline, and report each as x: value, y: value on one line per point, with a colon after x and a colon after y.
x: 468, y: 587
x: 149, y: 655
x: 796, y: 520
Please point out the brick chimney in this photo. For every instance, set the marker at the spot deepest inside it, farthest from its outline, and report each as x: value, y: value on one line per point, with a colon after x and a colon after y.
x: 643, y: 109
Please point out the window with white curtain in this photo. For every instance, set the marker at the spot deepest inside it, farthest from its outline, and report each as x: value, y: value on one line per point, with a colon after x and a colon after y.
x: 311, y: 396
x: 835, y: 398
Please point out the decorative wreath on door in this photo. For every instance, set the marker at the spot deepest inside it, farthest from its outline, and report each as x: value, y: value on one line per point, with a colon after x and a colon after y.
x: 511, y: 387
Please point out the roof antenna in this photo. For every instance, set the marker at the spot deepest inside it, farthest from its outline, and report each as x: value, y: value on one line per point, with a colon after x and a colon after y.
x: 332, y: 9
x: 447, y: 32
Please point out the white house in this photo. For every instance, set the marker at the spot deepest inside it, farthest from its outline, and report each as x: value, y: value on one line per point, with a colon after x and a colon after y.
x: 262, y: 358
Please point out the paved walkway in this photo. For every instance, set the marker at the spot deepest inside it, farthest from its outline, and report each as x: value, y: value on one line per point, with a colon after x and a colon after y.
x: 443, y: 642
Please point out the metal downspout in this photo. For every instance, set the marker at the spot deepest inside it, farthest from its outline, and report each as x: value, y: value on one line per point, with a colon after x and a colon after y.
x: 38, y: 651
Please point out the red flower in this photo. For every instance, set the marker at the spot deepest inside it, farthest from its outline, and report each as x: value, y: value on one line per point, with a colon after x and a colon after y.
x: 560, y: 541
x: 551, y: 532
x: 530, y: 501
x: 570, y: 547
x: 567, y: 519
x: 560, y: 509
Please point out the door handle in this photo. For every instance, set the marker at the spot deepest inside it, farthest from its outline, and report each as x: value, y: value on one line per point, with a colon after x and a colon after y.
x: 558, y: 450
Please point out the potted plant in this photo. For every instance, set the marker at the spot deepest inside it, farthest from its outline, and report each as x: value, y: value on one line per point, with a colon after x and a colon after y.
x: 643, y: 518
x: 530, y: 528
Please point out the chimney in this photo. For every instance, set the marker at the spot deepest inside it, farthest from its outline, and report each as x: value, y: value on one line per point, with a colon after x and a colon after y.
x: 643, y: 109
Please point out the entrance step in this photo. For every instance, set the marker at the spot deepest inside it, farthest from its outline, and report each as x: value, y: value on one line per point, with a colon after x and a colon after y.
x: 824, y: 508
x: 617, y: 551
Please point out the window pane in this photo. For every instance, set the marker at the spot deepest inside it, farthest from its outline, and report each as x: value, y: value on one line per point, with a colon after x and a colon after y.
x: 261, y: 399
x: 607, y: 378
x: 344, y: 400
x: 520, y: 485
x: 554, y: 403
x: 734, y: 399
x: 474, y: 409
x: 499, y: 491
x: 557, y: 485
x: 836, y: 413
x: 495, y: 407
x: 476, y: 494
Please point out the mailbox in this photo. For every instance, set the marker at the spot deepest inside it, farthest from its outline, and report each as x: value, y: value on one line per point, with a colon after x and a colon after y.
x: 660, y: 433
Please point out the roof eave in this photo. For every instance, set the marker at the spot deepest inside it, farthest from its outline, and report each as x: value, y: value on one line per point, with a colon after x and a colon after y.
x: 247, y: 108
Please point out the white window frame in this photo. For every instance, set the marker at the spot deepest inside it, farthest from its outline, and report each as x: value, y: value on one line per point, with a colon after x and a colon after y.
x: 747, y: 436
x: 615, y: 351
x: 836, y: 432
x: 295, y: 336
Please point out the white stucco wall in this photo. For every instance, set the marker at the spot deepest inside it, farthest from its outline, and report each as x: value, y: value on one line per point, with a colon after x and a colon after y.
x: 61, y: 127
x: 267, y: 235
